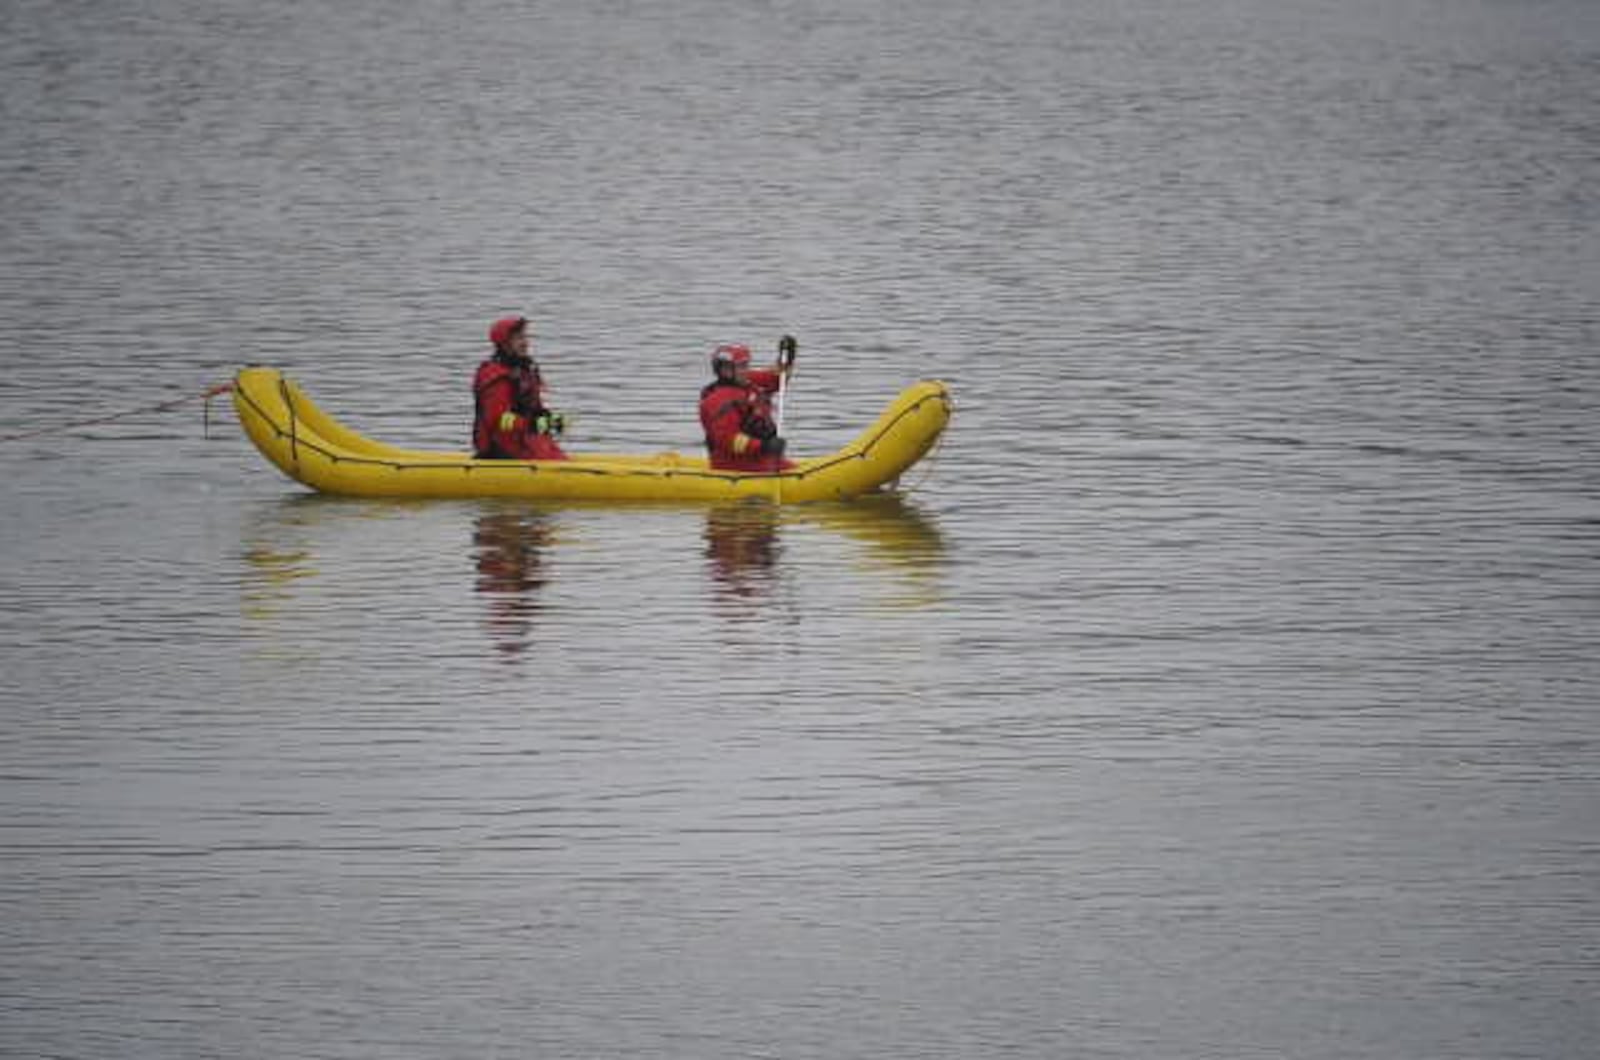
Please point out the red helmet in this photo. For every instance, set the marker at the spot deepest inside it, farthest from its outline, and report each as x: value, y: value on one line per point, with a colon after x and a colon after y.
x: 504, y: 329
x: 726, y: 356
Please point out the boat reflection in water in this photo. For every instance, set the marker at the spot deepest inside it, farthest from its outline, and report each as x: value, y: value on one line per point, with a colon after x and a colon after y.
x: 314, y: 568
x: 509, y: 546
x: 272, y: 574
x: 744, y: 545
x: 314, y: 565
x: 277, y: 553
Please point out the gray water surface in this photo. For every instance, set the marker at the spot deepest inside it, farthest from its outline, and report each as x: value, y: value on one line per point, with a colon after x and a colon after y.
x: 1225, y: 687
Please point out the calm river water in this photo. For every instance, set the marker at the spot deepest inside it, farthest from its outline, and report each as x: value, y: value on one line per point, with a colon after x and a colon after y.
x: 1226, y: 687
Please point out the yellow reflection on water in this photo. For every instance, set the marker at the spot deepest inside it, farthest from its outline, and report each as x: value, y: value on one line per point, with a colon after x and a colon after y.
x: 744, y: 545
x: 275, y: 556
x: 283, y: 539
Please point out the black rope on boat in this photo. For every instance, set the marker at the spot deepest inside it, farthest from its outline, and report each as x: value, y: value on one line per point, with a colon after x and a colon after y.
x: 288, y: 403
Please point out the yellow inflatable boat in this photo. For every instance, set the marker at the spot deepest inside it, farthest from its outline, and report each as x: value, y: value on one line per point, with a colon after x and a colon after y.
x: 313, y: 448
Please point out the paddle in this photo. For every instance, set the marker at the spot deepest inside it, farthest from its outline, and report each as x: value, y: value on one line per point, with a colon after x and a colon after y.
x: 786, y: 351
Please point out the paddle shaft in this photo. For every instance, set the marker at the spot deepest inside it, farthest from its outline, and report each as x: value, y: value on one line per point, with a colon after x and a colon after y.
x: 786, y: 352
x: 783, y: 392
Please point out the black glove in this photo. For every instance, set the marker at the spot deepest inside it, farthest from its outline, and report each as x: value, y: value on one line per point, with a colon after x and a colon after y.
x: 760, y: 427
x: 773, y: 446
x: 787, y: 348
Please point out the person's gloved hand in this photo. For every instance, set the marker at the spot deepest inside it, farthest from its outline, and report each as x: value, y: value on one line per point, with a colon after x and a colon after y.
x: 774, y: 446
x: 549, y: 423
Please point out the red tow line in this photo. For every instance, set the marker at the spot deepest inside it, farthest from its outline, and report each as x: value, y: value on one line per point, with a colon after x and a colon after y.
x: 163, y: 406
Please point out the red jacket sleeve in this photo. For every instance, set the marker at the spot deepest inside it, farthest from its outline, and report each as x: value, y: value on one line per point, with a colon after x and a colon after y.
x: 722, y: 416
x: 505, y: 425
x: 763, y: 384
x: 764, y: 379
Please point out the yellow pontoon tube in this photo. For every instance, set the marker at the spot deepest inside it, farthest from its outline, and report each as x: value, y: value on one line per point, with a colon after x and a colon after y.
x: 313, y: 448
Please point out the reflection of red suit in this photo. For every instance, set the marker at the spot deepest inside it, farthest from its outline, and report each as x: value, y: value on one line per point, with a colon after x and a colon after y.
x: 742, y: 545
x: 510, y: 574
x: 738, y: 423
x: 509, y: 397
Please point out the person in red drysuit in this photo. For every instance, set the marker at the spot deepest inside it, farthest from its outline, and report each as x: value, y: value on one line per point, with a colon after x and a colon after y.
x: 736, y: 412
x: 512, y: 421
